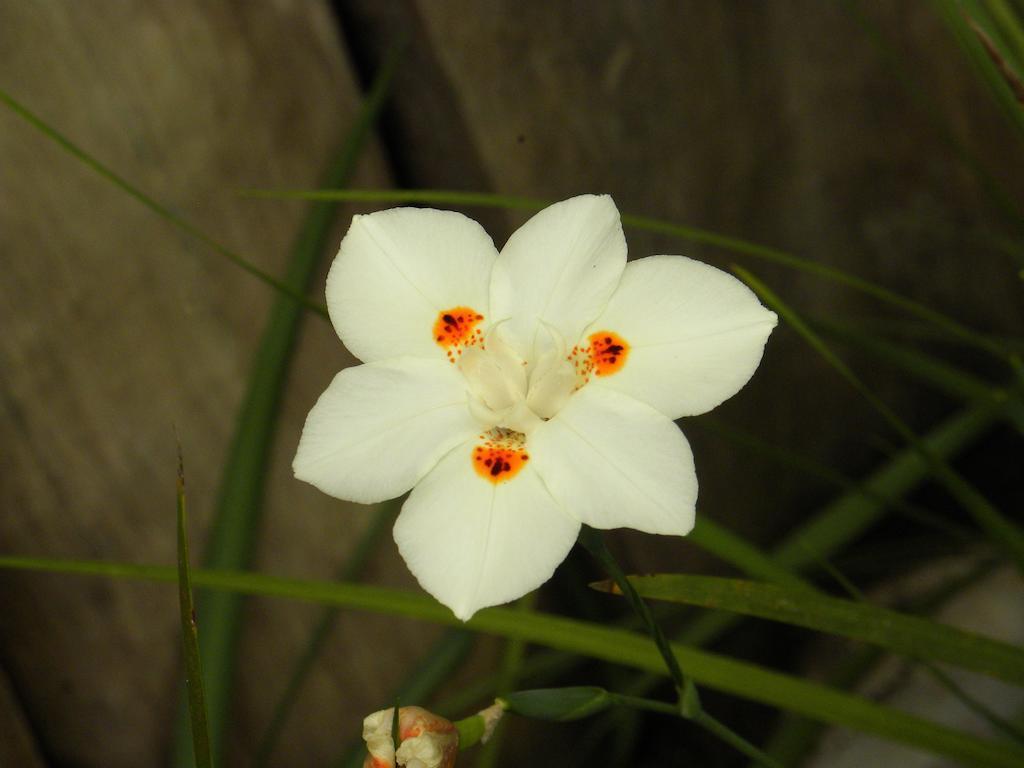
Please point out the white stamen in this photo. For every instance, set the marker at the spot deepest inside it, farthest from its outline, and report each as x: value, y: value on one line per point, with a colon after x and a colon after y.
x: 508, y: 392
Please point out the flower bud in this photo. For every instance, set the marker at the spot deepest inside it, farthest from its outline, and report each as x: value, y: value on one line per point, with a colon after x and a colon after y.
x: 426, y: 740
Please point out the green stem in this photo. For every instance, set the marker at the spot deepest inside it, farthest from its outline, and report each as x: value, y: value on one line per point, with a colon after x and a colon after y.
x: 689, y: 701
x: 593, y: 542
x: 651, y: 705
x: 736, y: 741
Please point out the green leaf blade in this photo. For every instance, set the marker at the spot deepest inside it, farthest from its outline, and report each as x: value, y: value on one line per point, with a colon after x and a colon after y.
x: 894, y: 631
x: 1002, y: 531
x: 199, y: 728
x: 596, y: 641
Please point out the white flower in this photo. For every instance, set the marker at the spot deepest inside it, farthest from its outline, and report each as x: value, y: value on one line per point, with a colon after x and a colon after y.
x: 426, y: 740
x: 520, y: 394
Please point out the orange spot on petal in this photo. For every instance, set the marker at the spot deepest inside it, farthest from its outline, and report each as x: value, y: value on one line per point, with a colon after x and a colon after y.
x: 456, y: 328
x: 608, y: 352
x: 501, y: 456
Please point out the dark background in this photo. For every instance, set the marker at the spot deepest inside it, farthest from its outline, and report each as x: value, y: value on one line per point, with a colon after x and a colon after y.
x: 779, y: 122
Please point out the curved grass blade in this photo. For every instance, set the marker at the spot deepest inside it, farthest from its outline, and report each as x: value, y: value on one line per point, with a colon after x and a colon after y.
x: 689, y: 234
x: 236, y: 518
x: 735, y: 550
x: 937, y: 373
x: 976, y: 706
x: 351, y: 570
x: 596, y: 641
x: 843, y: 520
x: 1010, y: 22
x: 983, y: 711
x: 158, y: 208
x: 923, y: 367
x: 811, y: 467
x: 1001, y: 530
x: 927, y: 105
x: 996, y: 46
x: 965, y: 30
x: 894, y: 631
x: 199, y: 730
x: 795, y: 737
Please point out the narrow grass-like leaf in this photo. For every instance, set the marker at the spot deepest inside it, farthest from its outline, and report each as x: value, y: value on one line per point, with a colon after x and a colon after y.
x: 236, y: 519
x: 940, y: 120
x: 1008, y: 20
x: 898, y: 632
x: 735, y: 550
x: 351, y: 570
x: 922, y: 366
x: 689, y: 234
x: 1001, y: 530
x: 936, y: 373
x: 198, y: 727
x: 158, y: 208
x: 966, y: 33
x: 811, y: 467
x: 846, y: 518
x: 997, y: 722
x: 997, y: 45
x: 796, y: 736
x: 596, y: 641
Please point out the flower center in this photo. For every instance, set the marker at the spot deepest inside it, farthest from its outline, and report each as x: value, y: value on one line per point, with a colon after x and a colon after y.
x: 513, y: 393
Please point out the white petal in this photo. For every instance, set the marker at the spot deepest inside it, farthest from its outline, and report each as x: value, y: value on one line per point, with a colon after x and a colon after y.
x: 615, y: 462
x: 472, y: 543
x: 397, y: 270
x: 560, y: 267
x: 379, y: 427
x: 377, y: 735
x: 695, y: 334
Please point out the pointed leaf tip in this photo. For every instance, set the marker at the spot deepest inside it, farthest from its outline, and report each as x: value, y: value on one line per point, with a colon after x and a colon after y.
x: 605, y: 585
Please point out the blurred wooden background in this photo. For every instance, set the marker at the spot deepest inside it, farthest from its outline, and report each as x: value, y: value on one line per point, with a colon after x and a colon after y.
x: 777, y: 122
